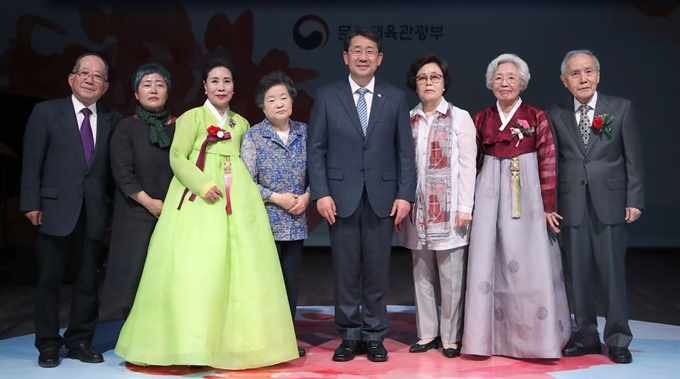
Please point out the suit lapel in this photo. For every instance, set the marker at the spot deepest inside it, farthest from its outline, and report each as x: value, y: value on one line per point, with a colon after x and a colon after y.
x: 600, y: 108
x: 569, y: 119
x: 69, y: 124
x: 376, y: 107
x: 347, y: 100
x: 103, y: 132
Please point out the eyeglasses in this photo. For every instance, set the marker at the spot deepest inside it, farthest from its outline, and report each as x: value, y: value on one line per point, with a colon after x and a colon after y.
x: 369, y: 53
x: 85, y: 74
x: 434, y: 78
x: 510, y: 79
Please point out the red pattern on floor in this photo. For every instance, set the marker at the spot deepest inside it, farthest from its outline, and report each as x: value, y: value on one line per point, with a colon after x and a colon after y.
x: 317, y: 334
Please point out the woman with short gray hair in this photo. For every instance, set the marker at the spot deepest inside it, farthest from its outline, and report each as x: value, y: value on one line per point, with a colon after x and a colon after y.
x: 515, y: 304
x: 275, y: 153
x: 140, y: 165
x: 520, y: 64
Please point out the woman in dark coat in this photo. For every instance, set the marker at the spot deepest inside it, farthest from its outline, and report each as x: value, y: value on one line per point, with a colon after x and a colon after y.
x: 140, y: 165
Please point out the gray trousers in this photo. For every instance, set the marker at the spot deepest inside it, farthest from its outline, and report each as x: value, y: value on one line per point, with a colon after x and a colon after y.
x: 445, y: 268
x: 596, y: 255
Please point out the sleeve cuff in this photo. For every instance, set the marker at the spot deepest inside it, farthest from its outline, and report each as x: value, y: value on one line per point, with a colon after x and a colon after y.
x: 131, y: 190
x: 464, y: 209
x: 266, y: 194
x: 206, y: 188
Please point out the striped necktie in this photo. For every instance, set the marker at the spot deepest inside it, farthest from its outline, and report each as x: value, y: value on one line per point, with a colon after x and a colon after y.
x: 362, y: 109
x: 86, y: 136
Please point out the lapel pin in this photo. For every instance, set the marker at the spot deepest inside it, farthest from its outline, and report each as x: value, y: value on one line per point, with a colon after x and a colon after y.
x: 379, y: 95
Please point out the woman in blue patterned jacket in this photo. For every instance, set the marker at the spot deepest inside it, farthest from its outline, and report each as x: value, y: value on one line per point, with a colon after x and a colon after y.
x: 274, y: 151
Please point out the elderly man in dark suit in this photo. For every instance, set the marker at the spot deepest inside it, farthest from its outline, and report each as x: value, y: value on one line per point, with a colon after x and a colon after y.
x: 64, y: 191
x: 361, y: 169
x: 600, y: 187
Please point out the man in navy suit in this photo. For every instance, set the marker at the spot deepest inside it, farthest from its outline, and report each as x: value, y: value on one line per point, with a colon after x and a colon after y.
x: 601, y: 189
x: 65, y: 192
x: 361, y: 169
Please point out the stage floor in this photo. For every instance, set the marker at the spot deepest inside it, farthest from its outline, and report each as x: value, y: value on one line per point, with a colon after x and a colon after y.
x: 655, y: 348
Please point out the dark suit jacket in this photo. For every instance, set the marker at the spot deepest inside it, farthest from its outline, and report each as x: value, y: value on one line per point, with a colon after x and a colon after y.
x: 55, y: 178
x: 340, y: 160
x: 612, y: 168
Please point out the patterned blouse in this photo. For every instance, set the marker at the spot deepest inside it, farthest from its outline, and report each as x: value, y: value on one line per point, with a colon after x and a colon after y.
x: 279, y: 167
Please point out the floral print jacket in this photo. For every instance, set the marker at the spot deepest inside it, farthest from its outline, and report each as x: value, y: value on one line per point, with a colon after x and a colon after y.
x: 279, y: 167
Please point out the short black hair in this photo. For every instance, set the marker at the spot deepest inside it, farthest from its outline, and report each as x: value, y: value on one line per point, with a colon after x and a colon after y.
x: 421, y: 61
x: 218, y: 62
x: 270, y: 80
x: 364, y: 31
x: 148, y: 69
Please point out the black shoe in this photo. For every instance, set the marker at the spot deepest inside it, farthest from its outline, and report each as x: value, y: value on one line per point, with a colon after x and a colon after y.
x: 301, y: 352
x: 375, y: 351
x: 450, y: 352
x: 620, y: 355
x: 84, y: 352
x: 418, y: 348
x: 347, y: 350
x: 49, y: 357
x: 574, y: 350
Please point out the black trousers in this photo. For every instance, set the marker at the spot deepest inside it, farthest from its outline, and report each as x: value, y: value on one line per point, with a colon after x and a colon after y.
x: 290, y: 256
x: 361, y: 245
x: 52, y: 252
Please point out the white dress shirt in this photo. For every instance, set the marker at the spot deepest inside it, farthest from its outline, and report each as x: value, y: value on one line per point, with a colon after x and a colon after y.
x: 78, y: 107
x: 368, y: 95
x: 591, y: 112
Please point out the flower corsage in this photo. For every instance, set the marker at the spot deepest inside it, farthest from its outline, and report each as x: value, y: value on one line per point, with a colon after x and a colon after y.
x: 602, y: 124
x: 215, y: 133
x: 521, y: 128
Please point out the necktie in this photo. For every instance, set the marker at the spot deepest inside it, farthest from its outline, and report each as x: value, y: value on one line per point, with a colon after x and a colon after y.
x: 86, y: 136
x: 584, y: 124
x: 362, y: 109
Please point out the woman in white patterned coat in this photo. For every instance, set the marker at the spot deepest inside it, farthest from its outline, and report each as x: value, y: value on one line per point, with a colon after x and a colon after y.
x: 437, y: 228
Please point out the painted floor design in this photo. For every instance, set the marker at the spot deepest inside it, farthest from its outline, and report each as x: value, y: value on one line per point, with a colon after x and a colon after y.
x: 655, y: 348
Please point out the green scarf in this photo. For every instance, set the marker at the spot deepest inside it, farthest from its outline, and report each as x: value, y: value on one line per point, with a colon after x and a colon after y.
x: 157, y: 134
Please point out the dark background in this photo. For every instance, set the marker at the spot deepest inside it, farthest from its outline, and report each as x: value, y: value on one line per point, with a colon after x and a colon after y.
x: 637, y: 42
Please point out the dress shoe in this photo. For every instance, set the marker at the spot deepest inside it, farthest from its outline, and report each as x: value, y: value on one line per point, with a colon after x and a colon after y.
x: 49, y: 357
x: 301, y: 352
x: 574, y: 350
x: 375, y: 351
x: 620, y: 355
x: 450, y: 352
x: 84, y: 352
x: 418, y: 348
x: 347, y: 350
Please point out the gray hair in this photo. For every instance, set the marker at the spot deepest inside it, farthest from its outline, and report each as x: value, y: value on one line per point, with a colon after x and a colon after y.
x: 563, y: 67
x: 270, y: 80
x: 521, y: 65
x: 148, y: 69
x: 76, y: 66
